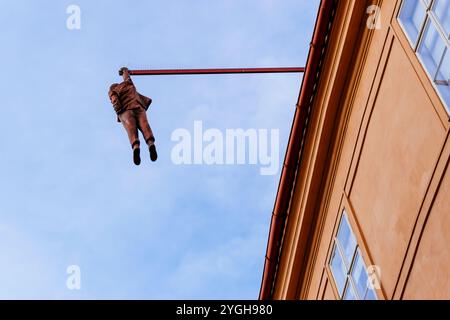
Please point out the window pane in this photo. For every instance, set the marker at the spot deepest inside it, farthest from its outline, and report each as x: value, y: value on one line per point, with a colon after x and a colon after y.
x: 370, y: 295
x: 411, y: 18
x: 346, y: 239
x: 442, y: 10
x: 349, y: 292
x: 338, y: 269
x: 443, y: 79
x: 431, y: 49
x: 359, y: 275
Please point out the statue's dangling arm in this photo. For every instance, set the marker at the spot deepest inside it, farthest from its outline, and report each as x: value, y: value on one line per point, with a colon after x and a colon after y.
x: 113, y: 96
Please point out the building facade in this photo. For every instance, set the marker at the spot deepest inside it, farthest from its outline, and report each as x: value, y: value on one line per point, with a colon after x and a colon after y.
x: 363, y: 205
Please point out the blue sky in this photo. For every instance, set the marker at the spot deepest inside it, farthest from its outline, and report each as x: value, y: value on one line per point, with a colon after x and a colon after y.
x: 69, y: 192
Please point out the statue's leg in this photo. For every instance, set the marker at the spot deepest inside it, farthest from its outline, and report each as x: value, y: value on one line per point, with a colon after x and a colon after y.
x: 147, y: 132
x: 129, y: 122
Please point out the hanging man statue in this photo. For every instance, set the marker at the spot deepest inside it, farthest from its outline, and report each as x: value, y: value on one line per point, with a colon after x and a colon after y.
x: 131, y: 108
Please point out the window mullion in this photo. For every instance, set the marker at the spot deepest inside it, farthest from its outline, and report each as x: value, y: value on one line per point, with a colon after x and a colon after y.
x: 342, y: 254
x: 422, y: 31
x: 440, y: 65
x: 353, y: 287
x: 439, y: 28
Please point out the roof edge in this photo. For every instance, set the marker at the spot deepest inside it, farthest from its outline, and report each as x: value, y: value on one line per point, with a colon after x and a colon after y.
x: 294, y: 148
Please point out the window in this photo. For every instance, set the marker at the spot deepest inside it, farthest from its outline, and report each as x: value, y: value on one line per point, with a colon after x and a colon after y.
x: 347, y: 265
x: 427, y: 26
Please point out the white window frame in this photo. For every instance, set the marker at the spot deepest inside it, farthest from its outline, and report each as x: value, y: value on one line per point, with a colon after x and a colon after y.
x: 429, y: 17
x: 349, y: 281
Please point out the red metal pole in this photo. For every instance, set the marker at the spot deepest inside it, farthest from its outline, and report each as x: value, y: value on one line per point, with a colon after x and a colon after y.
x: 160, y: 72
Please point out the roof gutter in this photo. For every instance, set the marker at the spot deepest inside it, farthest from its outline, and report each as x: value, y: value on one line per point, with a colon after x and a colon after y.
x: 295, y: 146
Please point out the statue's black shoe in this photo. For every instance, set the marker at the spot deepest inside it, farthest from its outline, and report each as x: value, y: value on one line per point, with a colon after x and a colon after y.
x: 137, y: 156
x: 153, y: 153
